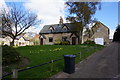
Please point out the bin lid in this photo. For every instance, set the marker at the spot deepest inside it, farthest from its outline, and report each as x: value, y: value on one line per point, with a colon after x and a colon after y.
x: 70, y: 56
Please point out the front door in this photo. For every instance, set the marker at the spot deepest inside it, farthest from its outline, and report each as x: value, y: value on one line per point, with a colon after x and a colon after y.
x: 41, y: 41
x: 73, y: 40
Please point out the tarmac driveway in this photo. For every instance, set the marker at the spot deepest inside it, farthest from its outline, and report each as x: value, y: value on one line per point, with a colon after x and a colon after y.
x: 103, y: 64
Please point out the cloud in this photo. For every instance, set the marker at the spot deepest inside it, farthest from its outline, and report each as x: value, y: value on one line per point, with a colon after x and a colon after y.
x: 2, y: 5
x: 47, y: 10
x: 33, y: 30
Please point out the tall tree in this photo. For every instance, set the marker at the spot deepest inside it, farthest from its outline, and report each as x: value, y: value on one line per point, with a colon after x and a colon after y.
x: 16, y: 20
x: 88, y: 32
x: 116, y: 36
x: 81, y: 14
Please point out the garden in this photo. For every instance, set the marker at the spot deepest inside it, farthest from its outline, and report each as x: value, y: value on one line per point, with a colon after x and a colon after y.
x: 36, y: 55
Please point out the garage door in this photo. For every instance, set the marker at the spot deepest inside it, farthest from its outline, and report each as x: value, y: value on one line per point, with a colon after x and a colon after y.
x: 99, y: 41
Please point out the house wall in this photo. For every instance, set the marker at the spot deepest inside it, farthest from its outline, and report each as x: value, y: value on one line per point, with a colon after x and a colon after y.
x: 21, y: 42
x: 5, y: 40
x: 71, y: 39
x: 85, y: 38
x: 27, y: 42
x: 36, y: 40
x: 46, y: 41
x: 31, y: 43
x: 16, y: 43
x: 103, y: 33
x: 57, y: 37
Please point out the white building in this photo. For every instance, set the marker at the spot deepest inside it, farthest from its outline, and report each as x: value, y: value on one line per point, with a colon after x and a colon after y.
x: 19, y: 41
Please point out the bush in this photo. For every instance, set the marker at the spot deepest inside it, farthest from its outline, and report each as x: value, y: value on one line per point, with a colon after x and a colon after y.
x: 3, y: 42
x: 89, y: 42
x: 65, y: 42
x: 16, y: 44
x: 116, y: 36
x: 57, y: 42
x: 9, y: 55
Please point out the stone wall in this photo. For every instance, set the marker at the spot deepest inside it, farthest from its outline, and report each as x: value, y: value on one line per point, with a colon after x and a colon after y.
x: 57, y: 36
x: 103, y: 32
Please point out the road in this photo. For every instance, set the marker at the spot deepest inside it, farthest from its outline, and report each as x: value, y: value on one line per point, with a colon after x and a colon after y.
x: 102, y: 64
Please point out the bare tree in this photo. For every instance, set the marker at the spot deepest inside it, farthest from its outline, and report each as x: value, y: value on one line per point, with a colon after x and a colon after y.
x: 16, y: 20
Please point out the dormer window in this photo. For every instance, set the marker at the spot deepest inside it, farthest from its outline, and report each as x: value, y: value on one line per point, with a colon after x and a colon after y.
x: 65, y: 28
x: 51, y: 29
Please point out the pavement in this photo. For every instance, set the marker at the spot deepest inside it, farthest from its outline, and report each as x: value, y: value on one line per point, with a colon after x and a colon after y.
x: 102, y: 64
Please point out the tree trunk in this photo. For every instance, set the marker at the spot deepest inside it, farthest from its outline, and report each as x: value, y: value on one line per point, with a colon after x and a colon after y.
x: 12, y: 43
x: 79, y: 39
x: 80, y: 36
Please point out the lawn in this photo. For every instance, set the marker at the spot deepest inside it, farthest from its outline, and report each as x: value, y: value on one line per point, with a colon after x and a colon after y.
x: 41, y: 54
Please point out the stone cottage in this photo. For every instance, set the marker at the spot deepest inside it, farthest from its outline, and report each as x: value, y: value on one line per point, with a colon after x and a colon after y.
x: 66, y: 32
x: 98, y: 33
x: 51, y: 33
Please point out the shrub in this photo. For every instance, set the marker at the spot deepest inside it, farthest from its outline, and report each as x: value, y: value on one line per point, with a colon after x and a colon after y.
x: 57, y: 42
x: 65, y: 42
x: 116, y: 36
x: 3, y: 42
x: 9, y: 55
x: 89, y: 42
x: 16, y: 44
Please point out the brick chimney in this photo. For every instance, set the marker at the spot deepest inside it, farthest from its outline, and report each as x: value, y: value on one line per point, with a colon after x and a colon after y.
x: 61, y: 20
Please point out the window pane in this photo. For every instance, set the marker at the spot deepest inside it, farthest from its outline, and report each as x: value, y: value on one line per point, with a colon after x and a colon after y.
x: 50, y: 39
x: 64, y: 38
x: 98, y: 30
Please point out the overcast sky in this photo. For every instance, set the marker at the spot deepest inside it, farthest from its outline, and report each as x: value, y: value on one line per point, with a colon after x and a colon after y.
x: 51, y: 10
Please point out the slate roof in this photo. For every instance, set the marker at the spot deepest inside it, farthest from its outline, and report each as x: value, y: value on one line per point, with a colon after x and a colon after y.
x: 58, y: 28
